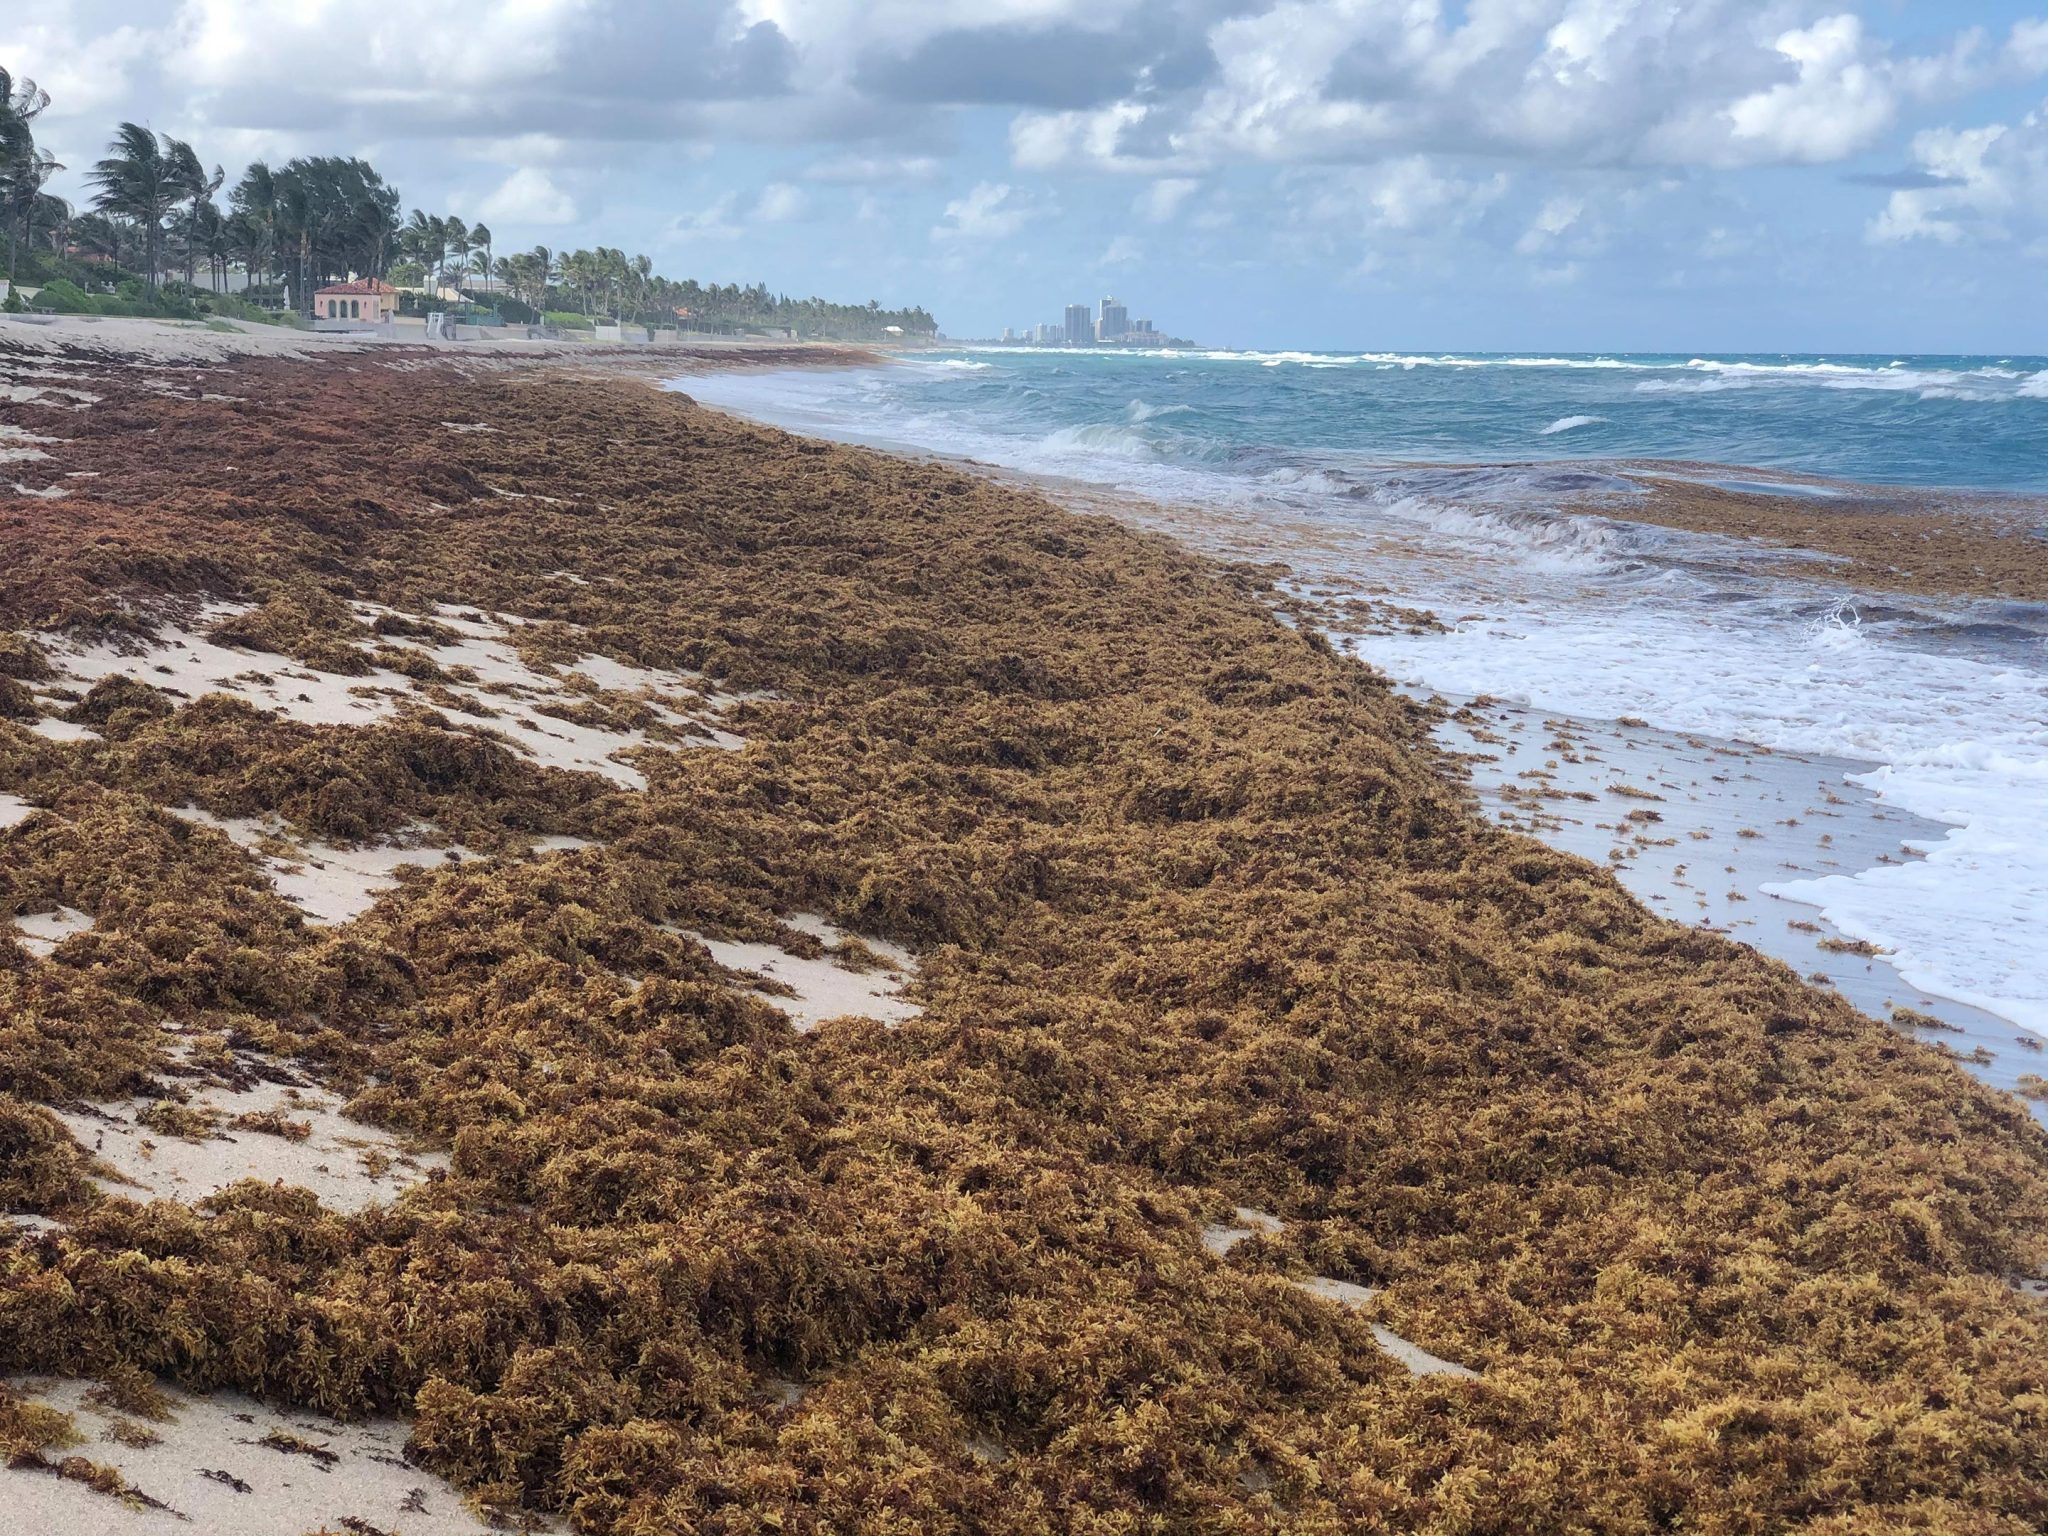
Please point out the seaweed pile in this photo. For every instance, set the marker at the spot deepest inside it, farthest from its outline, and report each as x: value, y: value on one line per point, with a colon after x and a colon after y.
x: 1202, y: 922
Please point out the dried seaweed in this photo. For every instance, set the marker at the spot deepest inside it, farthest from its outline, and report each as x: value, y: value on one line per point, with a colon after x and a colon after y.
x: 1201, y: 922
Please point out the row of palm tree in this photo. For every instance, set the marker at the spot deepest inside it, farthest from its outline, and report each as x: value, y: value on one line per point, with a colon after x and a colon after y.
x: 316, y: 218
x: 146, y: 177
x: 25, y: 168
x: 442, y: 243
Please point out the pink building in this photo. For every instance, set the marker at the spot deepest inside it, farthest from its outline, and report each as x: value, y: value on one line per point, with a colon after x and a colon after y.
x: 365, y: 301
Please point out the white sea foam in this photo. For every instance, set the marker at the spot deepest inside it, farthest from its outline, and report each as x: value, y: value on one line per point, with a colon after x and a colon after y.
x: 1692, y: 386
x: 1957, y: 739
x: 1101, y: 437
x: 1140, y: 410
x: 1570, y: 424
x: 1535, y: 541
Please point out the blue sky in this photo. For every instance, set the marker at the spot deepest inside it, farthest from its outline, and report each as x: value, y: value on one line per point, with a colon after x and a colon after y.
x: 1720, y: 175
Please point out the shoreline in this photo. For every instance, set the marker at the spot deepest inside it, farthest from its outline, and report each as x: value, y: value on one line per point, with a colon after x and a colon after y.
x: 1949, y: 543
x: 672, y: 736
x: 1995, y: 1046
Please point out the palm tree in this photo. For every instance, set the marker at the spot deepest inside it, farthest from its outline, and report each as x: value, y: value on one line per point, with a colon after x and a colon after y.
x: 480, y: 236
x: 458, y: 243
x: 198, y: 185
x: 23, y: 167
x: 140, y: 180
x: 255, y: 203
x: 425, y: 238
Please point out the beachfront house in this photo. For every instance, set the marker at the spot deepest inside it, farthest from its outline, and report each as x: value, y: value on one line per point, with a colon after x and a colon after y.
x: 366, y: 301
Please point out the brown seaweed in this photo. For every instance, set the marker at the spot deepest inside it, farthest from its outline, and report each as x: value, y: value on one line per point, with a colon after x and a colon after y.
x: 1202, y: 919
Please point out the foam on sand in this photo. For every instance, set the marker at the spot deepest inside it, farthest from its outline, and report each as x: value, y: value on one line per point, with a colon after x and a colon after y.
x: 227, y: 1465
x: 1947, y: 738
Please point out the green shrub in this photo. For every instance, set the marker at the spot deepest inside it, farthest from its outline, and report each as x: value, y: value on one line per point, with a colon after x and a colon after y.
x: 568, y: 320
x: 67, y: 298
x: 231, y: 306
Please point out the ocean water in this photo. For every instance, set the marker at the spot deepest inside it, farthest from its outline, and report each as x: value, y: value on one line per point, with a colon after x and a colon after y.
x: 1436, y: 482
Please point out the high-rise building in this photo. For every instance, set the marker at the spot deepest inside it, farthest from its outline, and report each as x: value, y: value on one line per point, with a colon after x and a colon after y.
x: 1080, y: 329
x: 1113, y: 321
x: 1142, y: 328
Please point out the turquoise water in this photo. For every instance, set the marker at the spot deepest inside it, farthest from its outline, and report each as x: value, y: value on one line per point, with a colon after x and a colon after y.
x: 1164, y: 421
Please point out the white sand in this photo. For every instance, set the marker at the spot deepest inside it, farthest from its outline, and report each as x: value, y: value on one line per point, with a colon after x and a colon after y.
x: 518, y: 693
x: 508, y: 696
x: 13, y: 810
x: 18, y: 445
x: 273, y: 1493
x: 825, y: 988
x: 46, y: 394
x: 561, y: 842
x: 124, y: 340
x: 329, y: 884
x: 42, y: 932
x: 1219, y: 1240
x: 54, y: 729
x: 1420, y: 1362
x: 330, y: 1162
x: 183, y: 661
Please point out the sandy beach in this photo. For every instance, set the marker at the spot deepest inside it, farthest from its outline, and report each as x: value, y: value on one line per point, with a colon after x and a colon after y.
x: 617, y: 968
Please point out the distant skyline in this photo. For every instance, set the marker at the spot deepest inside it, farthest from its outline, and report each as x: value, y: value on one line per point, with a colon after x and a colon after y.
x: 1717, y: 175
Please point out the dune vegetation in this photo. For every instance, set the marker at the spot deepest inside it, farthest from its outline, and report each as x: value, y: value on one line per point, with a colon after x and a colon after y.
x: 1202, y: 921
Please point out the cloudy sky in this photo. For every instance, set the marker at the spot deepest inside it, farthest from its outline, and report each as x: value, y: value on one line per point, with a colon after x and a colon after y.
x: 1591, y: 174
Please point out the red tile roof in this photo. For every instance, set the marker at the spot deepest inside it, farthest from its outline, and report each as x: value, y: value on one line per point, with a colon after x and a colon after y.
x: 360, y: 285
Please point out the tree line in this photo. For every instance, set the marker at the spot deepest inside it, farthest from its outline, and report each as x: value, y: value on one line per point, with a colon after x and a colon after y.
x: 293, y: 228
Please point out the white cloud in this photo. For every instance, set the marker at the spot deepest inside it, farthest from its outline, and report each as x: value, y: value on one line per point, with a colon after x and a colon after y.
x: 1122, y: 252
x: 1987, y: 183
x: 992, y: 211
x: 1582, y: 83
x: 528, y: 196
x: 778, y: 204
x: 1161, y: 201
x: 1408, y: 196
x: 226, y: 43
x: 1556, y: 216
x: 713, y: 221
x: 1050, y: 140
x: 859, y: 168
x: 90, y: 75
x: 2027, y: 48
x: 1838, y: 103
